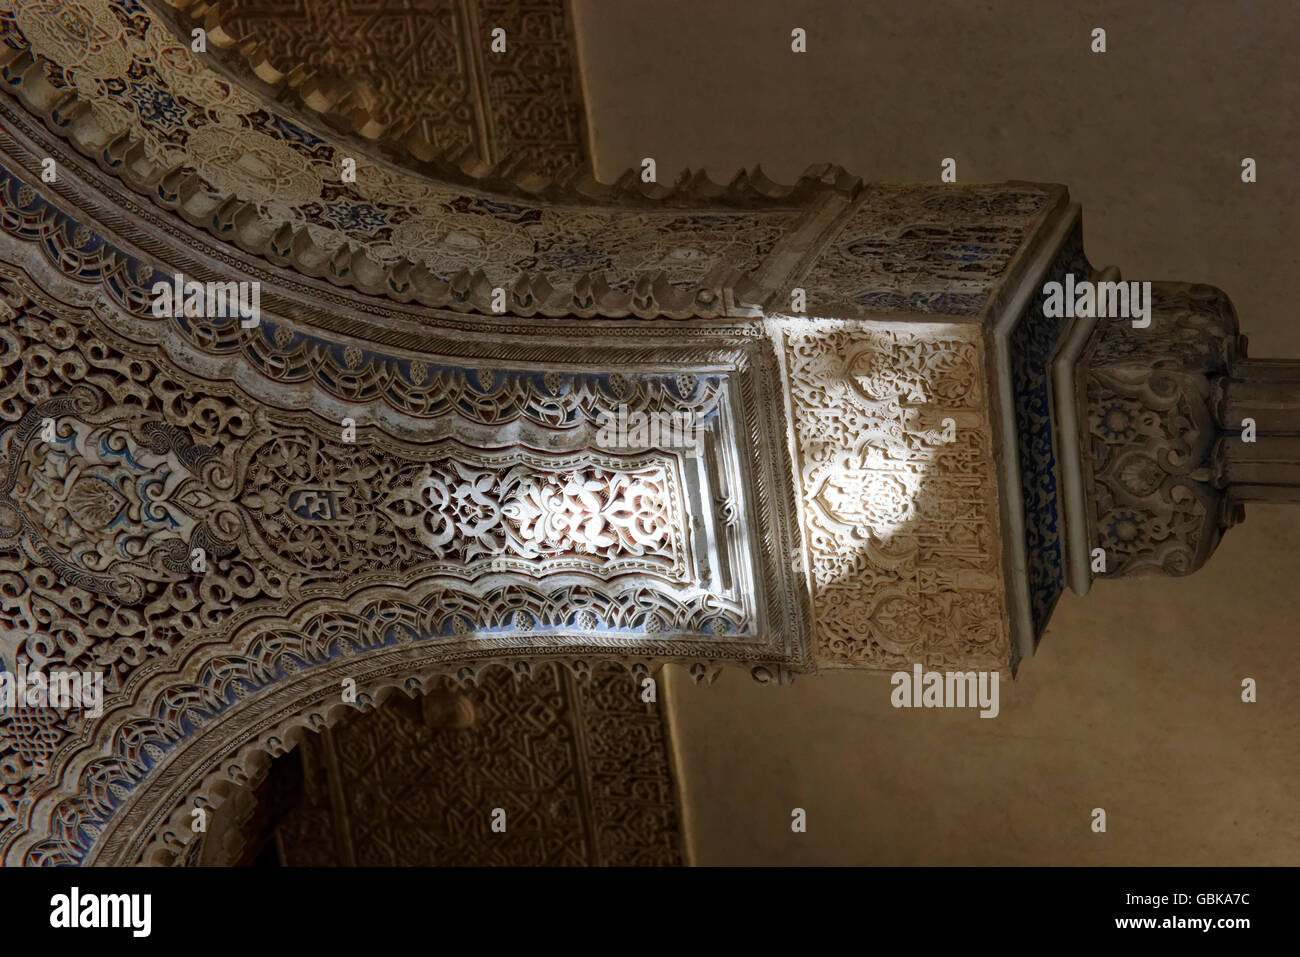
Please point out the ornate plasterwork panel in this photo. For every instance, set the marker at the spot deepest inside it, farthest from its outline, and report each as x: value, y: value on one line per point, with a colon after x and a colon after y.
x: 923, y: 249
x: 581, y: 769
x: 899, y: 507
x: 327, y: 559
x: 114, y: 81
x: 310, y: 507
x: 421, y: 74
x: 472, y: 510
x: 317, y: 550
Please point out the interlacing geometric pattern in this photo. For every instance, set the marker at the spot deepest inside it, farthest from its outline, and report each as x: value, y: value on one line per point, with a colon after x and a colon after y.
x: 580, y: 768
x: 421, y: 75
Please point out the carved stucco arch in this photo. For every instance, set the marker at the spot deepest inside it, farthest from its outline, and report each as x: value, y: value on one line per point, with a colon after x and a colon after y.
x: 153, y: 824
x: 92, y: 779
x: 827, y: 428
x: 745, y: 348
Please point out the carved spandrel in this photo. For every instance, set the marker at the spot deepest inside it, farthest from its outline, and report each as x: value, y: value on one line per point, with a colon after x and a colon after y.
x: 283, y: 509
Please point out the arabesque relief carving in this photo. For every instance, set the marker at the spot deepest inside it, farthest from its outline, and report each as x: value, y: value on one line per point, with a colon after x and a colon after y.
x: 1159, y: 504
x: 327, y: 506
x: 899, y: 504
x: 501, y: 536
x: 924, y: 250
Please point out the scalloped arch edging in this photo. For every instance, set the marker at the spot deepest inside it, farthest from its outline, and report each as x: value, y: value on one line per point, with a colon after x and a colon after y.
x: 68, y: 114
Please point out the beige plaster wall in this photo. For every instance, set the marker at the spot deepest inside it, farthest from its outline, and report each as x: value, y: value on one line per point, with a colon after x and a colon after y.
x: 1133, y: 700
